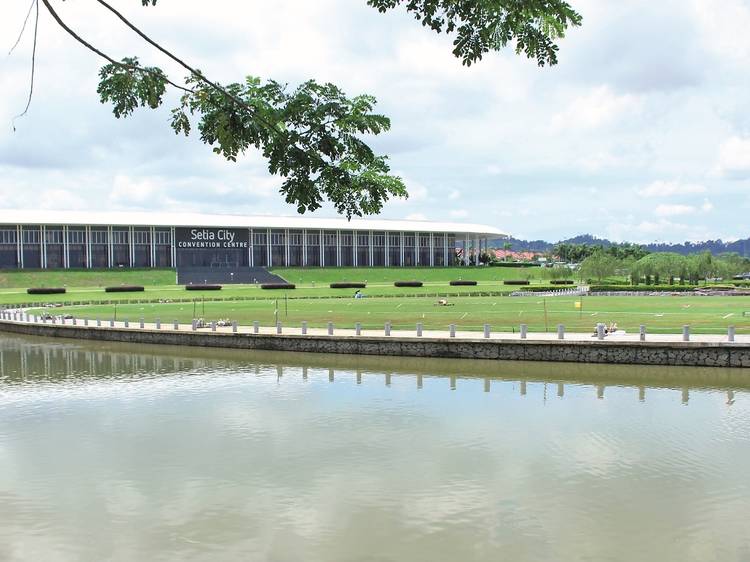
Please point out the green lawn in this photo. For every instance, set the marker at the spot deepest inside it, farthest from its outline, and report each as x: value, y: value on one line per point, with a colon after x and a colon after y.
x: 84, y: 277
x: 381, y: 275
x: 659, y: 314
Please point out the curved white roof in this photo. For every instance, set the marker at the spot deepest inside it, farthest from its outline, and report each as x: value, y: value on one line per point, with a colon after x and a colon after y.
x: 128, y: 218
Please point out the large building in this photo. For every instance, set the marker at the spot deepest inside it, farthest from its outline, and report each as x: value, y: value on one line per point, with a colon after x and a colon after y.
x: 49, y: 240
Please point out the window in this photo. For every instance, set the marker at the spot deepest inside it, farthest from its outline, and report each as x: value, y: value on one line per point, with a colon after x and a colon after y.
x: 7, y: 236
x: 99, y: 237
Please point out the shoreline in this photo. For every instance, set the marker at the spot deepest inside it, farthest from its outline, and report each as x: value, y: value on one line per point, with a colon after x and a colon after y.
x: 626, y: 349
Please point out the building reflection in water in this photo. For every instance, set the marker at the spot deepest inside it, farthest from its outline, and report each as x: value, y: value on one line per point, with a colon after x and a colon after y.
x: 25, y: 359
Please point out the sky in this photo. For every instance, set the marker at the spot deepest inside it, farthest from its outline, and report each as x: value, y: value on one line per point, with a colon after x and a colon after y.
x: 640, y: 133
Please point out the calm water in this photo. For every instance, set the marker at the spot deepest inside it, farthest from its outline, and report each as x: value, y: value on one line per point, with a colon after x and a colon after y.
x: 118, y: 452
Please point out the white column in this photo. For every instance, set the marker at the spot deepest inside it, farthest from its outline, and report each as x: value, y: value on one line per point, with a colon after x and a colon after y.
x: 476, y: 251
x: 445, y: 248
x: 372, y: 249
x: 432, y: 250
x: 338, y: 248
x: 386, y: 246
x: 401, y: 247
x: 88, y: 247
x: 19, y: 245
x: 152, y: 244
x: 286, y: 247
x: 268, y: 247
x: 66, y: 248
x: 355, y: 247
x: 304, y: 247
x: 321, y: 248
x: 43, y: 245
x: 173, y: 247
x: 131, y: 246
x: 109, y: 247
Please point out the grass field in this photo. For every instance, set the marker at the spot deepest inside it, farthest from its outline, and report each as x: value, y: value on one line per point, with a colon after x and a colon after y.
x: 659, y: 314
x: 23, y: 279
x: 387, y: 275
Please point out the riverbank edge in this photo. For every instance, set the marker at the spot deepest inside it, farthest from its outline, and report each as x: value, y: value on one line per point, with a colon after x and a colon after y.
x: 698, y: 354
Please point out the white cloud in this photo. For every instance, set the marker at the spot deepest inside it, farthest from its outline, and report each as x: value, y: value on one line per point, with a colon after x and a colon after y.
x: 454, y: 194
x: 707, y: 206
x: 734, y: 158
x: 673, y: 210
x: 597, y: 107
x: 459, y: 213
x: 670, y: 188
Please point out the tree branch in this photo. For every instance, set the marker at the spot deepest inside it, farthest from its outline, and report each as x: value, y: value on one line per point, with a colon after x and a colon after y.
x: 105, y: 56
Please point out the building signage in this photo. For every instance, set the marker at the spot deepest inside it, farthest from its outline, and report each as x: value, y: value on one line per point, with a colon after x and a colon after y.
x: 212, y: 238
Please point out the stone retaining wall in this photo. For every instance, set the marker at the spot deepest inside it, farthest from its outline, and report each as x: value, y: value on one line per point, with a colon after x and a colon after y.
x: 641, y: 353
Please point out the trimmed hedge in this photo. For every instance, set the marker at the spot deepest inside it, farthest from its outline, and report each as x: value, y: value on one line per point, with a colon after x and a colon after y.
x: 345, y: 285
x: 561, y: 282
x: 516, y: 282
x: 202, y: 287
x: 278, y: 286
x: 461, y: 283
x: 124, y: 289
x: 513, y: 264
x: 647, y: 288
x: 407, y: 284
x: 46, y: 290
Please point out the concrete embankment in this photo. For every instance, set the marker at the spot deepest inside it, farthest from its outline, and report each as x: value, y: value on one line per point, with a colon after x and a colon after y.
x: 507, y: 347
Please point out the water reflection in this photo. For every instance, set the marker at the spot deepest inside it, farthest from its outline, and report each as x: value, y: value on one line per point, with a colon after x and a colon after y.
x: 117, y: 451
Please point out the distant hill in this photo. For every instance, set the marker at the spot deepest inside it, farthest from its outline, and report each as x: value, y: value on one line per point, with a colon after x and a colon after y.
x: 741, y: 247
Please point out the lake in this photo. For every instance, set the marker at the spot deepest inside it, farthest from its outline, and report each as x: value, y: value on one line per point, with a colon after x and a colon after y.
x: 125, y: 452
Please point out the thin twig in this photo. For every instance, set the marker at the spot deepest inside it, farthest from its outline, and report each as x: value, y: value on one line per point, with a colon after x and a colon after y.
x: 33, y: 68
x: 23, y: 28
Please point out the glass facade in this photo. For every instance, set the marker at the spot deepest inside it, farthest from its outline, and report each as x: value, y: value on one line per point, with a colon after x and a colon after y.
x: 9, y: 248
x: 260, y: 248
x: 54, y: 246
x: 347, y: 248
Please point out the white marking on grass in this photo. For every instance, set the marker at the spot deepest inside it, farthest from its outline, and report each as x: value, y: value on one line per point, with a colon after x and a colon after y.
x: 520, y: 312
x: 658, y: 315
x: 399, y: 305
x: 494, y: 304
x: 594, y: 313
x: 464, y: 316
x: 728, y: 315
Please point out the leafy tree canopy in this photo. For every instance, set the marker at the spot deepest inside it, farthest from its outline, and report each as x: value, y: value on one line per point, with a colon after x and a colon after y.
x: 312, y: 135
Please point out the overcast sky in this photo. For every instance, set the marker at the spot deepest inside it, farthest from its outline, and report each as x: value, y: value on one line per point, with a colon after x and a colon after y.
x: 641, y: 132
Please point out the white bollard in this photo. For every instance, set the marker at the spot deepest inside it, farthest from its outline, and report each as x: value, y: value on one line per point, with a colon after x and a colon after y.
x: 730, y: 333
x: 127, y: 324
x: 176, y: 325
x: 419, y: 329
x: 85, y: 321
x: 194, y: 325
x: 141, y: 324
x: 686, y: 333
x: 643, y: 333
x: 278, y: 327
x: 487, y: 331
x: 234, y: 326
x: 111, y: 323
x: 256, y: 326
x: 387, y: 329
x: 98, y: 323
x: 330, y: 328
x: 74, y: 322
x: 524, y: 331
x: 452, y: 330
x: 213, y: 325
x: 304, y: 327
x: 158, y: 323
x: 600, y: 331
x: 358, y: 328
x: 560, y: 332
